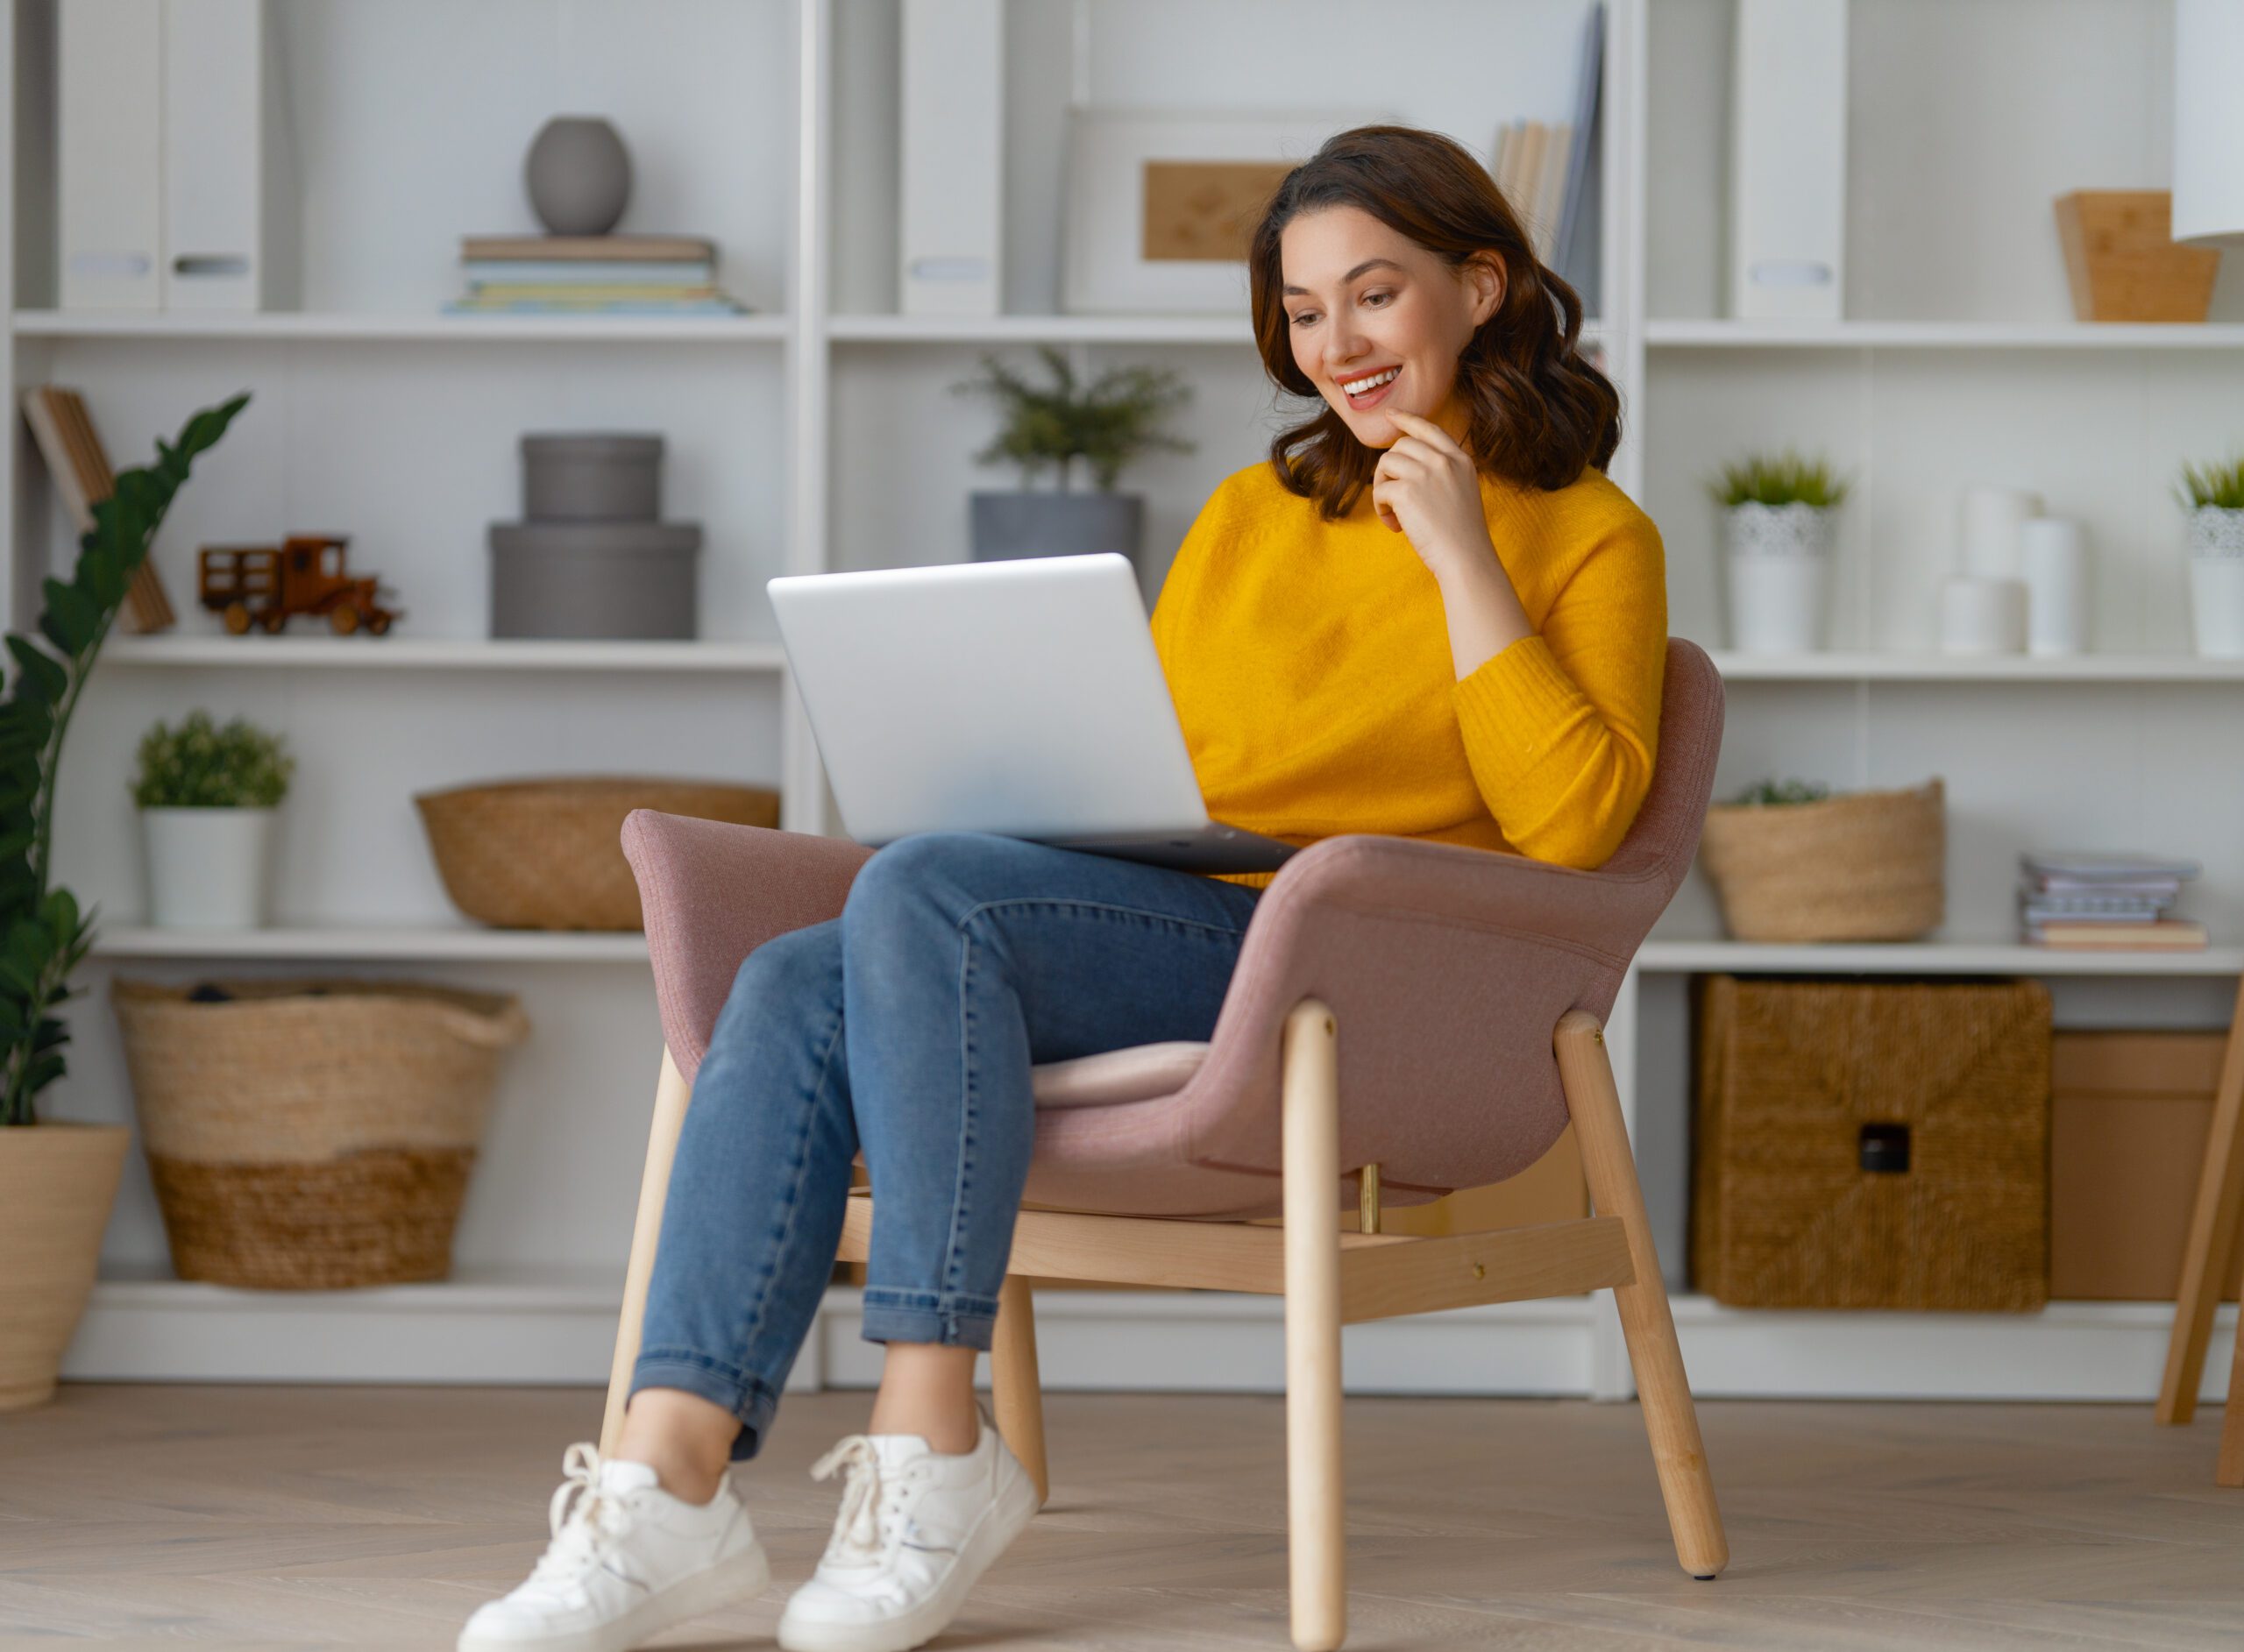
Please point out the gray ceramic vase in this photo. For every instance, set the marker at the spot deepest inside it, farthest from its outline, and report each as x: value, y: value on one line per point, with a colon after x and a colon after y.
x: 578, y: 175
x: 1008, y: 525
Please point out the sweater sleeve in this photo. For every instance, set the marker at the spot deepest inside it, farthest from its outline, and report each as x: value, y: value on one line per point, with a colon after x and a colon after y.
x: 1560, y: 725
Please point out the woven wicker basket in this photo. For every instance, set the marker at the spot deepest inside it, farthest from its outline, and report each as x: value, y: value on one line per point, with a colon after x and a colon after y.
x: 312, y: 1134
x: 1872, y: 1144
x: 1869, y: 865
x: 548, y: 854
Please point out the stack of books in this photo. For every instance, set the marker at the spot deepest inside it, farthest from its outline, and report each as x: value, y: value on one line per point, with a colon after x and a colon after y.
x: 591, y: 274
x: 2082, y: 898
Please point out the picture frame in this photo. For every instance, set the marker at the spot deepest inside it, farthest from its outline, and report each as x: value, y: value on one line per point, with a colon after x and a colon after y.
x: 1153, y: 198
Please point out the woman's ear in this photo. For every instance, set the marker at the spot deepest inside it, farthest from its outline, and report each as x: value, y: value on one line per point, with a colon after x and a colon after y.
x: 1485, y: 272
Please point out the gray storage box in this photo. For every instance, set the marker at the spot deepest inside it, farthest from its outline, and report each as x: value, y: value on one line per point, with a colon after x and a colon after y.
x: 592, y: 477
x: 594, y: 580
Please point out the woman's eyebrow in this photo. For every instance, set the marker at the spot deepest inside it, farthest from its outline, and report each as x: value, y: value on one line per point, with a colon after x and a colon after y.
x: 1368, y: 264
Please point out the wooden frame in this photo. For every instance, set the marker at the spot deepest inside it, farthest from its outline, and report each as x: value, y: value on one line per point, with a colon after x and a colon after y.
x: 2209, y: 1260
x: 1328, y: 1279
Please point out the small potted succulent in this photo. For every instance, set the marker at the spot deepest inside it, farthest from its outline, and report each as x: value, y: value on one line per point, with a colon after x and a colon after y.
x: 208, y: 797
x: 1780, y: 524
x: 1105, y: 425
x: 2213, y: 495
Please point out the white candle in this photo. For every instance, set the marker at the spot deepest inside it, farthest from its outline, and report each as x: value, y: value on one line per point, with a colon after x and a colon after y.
x: 2053, y: 555
x: 1991, y: 518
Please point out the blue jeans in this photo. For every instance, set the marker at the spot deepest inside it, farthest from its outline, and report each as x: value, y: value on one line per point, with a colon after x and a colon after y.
x: 907, y: 1027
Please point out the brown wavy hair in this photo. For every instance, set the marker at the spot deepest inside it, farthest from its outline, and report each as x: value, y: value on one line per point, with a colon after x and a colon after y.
x: 1537, y: 411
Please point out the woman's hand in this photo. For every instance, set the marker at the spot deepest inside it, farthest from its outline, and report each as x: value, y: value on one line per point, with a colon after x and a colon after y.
x: 1428, y: 488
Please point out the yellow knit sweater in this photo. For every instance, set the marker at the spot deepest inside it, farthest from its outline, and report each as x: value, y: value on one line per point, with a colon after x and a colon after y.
x: 1311, y: 665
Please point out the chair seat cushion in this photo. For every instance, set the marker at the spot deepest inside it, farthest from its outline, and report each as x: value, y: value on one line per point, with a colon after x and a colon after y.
x: 1138, y: 1074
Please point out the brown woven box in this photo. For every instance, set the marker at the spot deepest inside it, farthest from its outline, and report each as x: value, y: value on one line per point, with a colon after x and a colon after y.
x: 1806, y: 1088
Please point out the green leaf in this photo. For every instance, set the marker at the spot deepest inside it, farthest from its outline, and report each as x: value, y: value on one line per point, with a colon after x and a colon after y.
x: 42, y: 675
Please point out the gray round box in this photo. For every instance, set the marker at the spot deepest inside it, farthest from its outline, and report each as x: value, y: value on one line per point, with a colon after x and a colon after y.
x: 594, y: 580
x: 592, y: 477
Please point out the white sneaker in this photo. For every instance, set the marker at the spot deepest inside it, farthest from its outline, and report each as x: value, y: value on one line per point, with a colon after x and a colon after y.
x: 917, y: 1527
x: 627, y: 1560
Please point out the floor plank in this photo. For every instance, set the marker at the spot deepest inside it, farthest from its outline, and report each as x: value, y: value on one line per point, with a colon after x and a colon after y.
x: 254, y: 1517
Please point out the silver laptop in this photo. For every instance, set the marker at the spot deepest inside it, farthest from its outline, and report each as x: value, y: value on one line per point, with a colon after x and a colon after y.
x: 1022, y: 696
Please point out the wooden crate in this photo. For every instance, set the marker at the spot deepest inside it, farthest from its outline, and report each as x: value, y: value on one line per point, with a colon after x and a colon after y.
x: 2123, y: 262
x: 1806, y: 1087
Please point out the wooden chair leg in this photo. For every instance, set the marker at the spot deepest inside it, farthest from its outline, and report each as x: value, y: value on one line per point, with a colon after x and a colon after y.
x: 2228, y: 1468
x: 2208, y: 1256
x: 671, y: 1093
x: 1670, y: 1418
x: 1016, y: 1394
x: 1315, y: 1506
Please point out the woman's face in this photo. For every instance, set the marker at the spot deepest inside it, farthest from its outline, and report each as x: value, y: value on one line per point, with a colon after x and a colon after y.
x: 1365, y: 305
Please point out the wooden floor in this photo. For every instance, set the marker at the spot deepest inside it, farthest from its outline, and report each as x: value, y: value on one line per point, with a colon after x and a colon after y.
x: 250, y: 1518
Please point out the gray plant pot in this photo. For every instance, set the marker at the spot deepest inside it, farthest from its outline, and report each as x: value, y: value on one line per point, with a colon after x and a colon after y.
x: 1009, y: 525
x: 578, y: 175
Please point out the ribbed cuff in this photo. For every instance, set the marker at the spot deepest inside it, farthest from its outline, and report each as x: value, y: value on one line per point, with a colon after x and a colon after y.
x: 1516, y: 704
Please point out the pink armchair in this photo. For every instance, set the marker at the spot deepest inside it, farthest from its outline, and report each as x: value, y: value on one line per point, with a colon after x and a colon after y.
x: 1406, y: 1018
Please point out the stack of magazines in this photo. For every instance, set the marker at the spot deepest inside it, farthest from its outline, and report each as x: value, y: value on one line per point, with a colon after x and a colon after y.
x: 2083, y: 898
x: 591, y: 274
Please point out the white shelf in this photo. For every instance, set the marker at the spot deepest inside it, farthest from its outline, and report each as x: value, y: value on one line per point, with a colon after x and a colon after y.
x: 397, y: 653
x: 1080, y: 329
x: 343, y: 327
x: 1861, y: 665
x: 459, y: 943
x: 1929, y: 335
x: 1928, y: 958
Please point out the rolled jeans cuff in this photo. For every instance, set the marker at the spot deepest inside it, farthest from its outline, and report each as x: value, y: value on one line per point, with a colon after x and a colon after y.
x: 953, y: 1318
x: 746, y: 1397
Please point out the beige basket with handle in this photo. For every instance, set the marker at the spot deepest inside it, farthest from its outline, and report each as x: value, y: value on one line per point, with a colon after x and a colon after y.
x: 312, y: 1134
x: 1868, y: 866
x: 549, y: 853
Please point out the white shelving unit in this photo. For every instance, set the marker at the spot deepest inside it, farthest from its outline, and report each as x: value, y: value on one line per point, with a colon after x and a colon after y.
x: 819, y: 433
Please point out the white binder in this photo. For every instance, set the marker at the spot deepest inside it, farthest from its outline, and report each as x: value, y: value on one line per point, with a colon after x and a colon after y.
x: 951, y: 132
x: 1788, y: 161
x: 229, y: 181
x: 109, y: 168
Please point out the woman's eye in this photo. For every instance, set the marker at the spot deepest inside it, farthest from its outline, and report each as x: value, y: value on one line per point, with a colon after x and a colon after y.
x: 1304, y: 317
x: 1369, y: 296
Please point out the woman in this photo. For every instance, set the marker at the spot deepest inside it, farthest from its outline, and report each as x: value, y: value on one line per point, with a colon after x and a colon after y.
x: 1429, y: 614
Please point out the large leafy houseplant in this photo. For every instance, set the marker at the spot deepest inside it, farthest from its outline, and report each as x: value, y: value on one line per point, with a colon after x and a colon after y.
x: 43, y: 937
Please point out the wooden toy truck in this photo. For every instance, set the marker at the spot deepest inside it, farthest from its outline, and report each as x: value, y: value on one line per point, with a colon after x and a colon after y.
x: 265, y: 585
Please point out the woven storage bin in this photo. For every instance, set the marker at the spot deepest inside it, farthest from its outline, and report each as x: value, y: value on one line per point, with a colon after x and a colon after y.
x: 549, y: 853
x: 312, y: 1134
x: 1869, y: 865
x: 1802, y: 1085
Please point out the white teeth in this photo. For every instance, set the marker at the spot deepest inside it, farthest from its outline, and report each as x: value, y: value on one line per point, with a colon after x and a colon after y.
x: 1357, y: 387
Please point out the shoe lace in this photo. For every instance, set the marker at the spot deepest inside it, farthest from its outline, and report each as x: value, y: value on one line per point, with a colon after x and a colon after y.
x: 586, y: 1524
x: 859, y: 1531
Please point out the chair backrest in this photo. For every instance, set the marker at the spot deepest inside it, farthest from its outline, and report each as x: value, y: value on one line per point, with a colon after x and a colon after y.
x: 1447, y: 1075
x: 1664, y: 837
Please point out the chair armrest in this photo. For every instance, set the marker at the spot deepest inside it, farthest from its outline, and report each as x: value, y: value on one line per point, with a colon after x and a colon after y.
x: 712, y: 893
x: 1447, y: 969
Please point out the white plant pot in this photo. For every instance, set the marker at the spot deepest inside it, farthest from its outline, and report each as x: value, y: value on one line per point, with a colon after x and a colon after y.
x: 2217, y: 581
x: 208, y: 868
x: 1779, y: 576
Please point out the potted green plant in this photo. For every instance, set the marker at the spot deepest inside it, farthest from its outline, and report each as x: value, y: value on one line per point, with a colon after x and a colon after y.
x: 1105, y: 425
x: 209, y: 796
x: 57, y: 1180
x: 2214, y: 495
x: 1779, y: 521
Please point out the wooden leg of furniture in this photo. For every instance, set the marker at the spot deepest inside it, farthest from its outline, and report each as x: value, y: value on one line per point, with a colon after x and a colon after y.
x: 1662, y: 1389
x: 1016, y: 1395
x: 671, y: 1093
x: 1314, y: 1508
x: 2208, y: 1257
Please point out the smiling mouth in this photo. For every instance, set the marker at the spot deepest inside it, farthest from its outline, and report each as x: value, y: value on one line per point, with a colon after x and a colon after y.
x: 1370, y: 386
